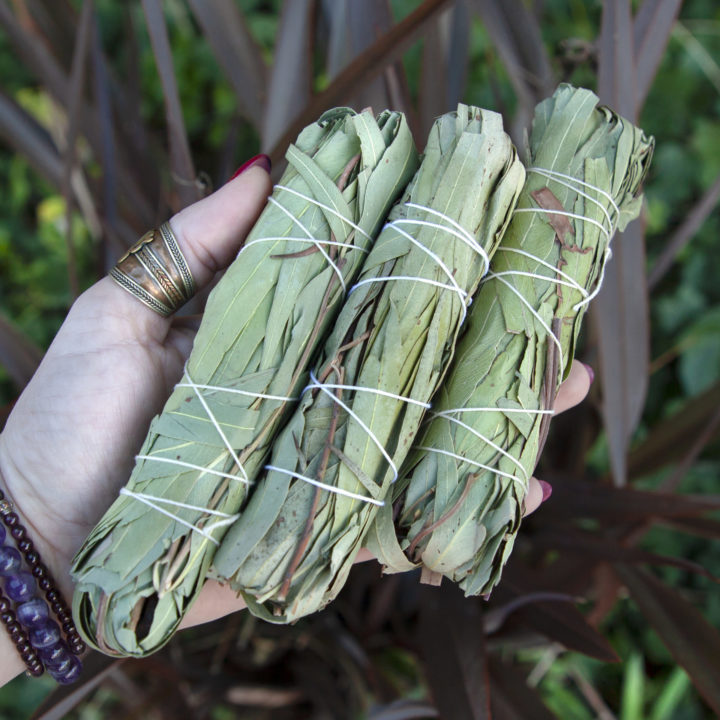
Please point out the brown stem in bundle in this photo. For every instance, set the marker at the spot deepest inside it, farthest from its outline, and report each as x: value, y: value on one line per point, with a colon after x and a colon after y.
x: 307, y: 531
x: 445, y: 517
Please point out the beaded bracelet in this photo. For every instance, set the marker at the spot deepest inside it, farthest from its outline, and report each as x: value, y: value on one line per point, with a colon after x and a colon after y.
x: 37, y: 637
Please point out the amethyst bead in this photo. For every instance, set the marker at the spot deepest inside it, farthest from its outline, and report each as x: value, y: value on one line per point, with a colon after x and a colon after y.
x: 32, y: 613
x: 45, y: 636
x: 2, y: 533
x: 20, y: 586
x: 69, y: 676
x: 10, y: 560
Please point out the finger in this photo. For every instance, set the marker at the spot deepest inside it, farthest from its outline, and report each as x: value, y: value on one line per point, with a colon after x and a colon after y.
x: 538, y: 492
x: 215, y: 601
x: 209, y: 234
x: 573, y: 391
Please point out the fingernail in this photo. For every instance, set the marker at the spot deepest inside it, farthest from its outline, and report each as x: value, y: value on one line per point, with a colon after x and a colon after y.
x: 590, y: 372
x: 262, y: 160
x: 546, y: 488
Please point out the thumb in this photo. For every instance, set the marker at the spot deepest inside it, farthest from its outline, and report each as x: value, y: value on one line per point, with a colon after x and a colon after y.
x: 209, y: 234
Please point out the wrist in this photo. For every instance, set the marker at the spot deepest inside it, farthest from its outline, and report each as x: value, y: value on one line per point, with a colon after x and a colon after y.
x: 36, y: 617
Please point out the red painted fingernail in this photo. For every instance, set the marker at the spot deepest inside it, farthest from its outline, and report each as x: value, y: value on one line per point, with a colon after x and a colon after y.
x: 546, y: 488
x: 590, y: 372
x: 262, y: 160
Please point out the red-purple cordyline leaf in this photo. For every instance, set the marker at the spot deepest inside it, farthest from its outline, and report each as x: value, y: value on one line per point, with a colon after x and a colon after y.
x: 575, y: 498
x: 620, y: 313
x: 565, y: 624
x: 404, y: 710
x: 651, y: 32
x: 452, y: 644
x: 515, y: 32
x: 27, y: 138
x: 681, y: 237
x: 74, y: 103
x: 181, y: 163
x: 19, y: 355
x: 693, y: 642
x: 704, y: 527
x: 668, y: 441
x: 236, y: 52
x: 601, y: 547
x: 511, y: 698
x: 291, y: 75
x: 353, y: 27
x: 371, y: 62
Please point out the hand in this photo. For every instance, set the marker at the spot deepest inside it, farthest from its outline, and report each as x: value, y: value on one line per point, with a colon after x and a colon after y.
x: 68, y: 446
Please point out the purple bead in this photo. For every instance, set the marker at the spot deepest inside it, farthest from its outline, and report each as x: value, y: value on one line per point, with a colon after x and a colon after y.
x: 45, y: 636
x: 70, y: 675
x: 20, y: 586
x: 2, y: 533
x: 54, y: 655
x: 10, y: 560
x: 32, y: 613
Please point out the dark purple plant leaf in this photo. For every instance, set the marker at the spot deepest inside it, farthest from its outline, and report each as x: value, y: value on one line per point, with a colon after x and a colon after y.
x: 575, y: 498
x: 704, y: 527
x: 27, y: 138
x: 236, y: 52
x: 693, y: 642
x: 561, y: 622
x: 452, y: 645
x: 515, y: 32
x: 181, y: 163
x: 684, y: 234
x: 669, y: 440
x: 19, y: 355
x: 621, y: 319
x: 290, y: 84
x: 371, y: 62
x: 74, y: 104
x: 511, y: 698
x: 602, y: 547
x: 651, y: 32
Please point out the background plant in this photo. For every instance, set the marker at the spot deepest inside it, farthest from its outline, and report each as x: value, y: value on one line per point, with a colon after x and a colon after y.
x: 113, y: 115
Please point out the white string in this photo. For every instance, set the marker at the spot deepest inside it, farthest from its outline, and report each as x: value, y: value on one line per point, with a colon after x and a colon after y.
x: 548, y: 265
x: 321, y: 386
x: 226, y: 519
x: 598, y: 286
x: 461, y: 293
x: 485, y: 439
x: 214, y: 421
x: 469, y: 237
x: 553, y: 175
x: 435, y: 283
x: 334, y: 243
x: 375, y: 391
x: 181, y: 463
x: 550, y: 333
x: 311, y: 239
x: 327, y: 208
x: 565, y: 213
x: 325, y: 486
x: 471, y: 462
x: 442, y: 413
x: 524, y: 273
x: 264, y: 396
